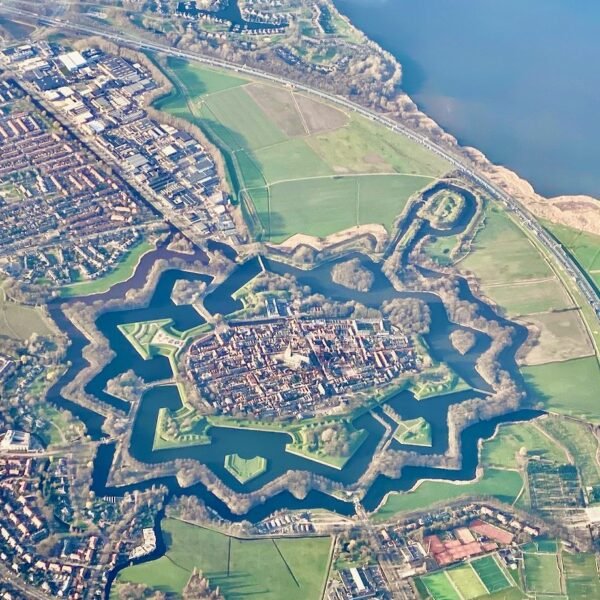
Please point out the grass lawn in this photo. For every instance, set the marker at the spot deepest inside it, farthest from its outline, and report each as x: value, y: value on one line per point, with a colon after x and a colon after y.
x: 541, y: 573
x: 501, y: 450
x: 467, y: 582
x: 504, y: 485
x: 19, y: 321
x: 569, y: 387
x: 245, y: 469
x: 502, y: 253
x: 295, y: 569
x: 440, y: 249
x: 529, y: 297
x: 415, y: 432
x: 122, y: 272
x: 581, y: 571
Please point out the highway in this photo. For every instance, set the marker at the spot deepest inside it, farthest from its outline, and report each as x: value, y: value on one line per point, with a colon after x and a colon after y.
x: 562, y: 258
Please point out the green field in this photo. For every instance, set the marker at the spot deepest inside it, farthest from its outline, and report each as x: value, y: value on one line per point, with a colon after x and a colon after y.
x: 542, y: 575
x: 122, y: 272
x: 491, y: 574
x: 530, y: 297
x: 581, y: 443
x: 19, y: 321
x: 501, y: 451
x: 504, y: 485
x: 289, y: 152
x: 140, y: 335
x: 293, y: 568
x: 245, y: 469
x: 581, y: 572
x: 583, y: 246
x: 501, y: 237
x: 483, y: 577
x: 467, y: 582
x: 415, y: 432
x: 569, y: 387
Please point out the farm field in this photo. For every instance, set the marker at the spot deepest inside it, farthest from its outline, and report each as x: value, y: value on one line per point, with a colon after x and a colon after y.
x: 562, y: 336
x: 501, y: 451
x: 529, y: 297
x: 501, y: 237
x: 504, y: 485
x: 297, y: 568
x: 542, y: 575
x: 288, y: 151
x: 20, y: 321
x: 122, y: 272
x: 568, y: 387
x: 582, y: 576
x: 583, y: 246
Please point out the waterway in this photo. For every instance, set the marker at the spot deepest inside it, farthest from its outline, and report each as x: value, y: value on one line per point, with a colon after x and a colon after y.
x: 271, y: 445
x: 516, y: 79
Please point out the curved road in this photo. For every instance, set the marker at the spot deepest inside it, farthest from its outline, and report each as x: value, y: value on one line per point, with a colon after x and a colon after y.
x: 550, y: 243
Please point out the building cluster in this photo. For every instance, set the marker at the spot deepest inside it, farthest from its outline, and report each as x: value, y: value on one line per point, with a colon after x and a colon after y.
x: 68, y: 573
x: 147, y: 546
x: 297, y: 366
x: 69, y: 217
x: 286, y: 524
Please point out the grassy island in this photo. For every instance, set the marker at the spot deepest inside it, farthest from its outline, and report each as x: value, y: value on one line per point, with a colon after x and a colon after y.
x: 414, y: 432
x: 180, y: 429
x: 444, y: 209
x: 245, y: 469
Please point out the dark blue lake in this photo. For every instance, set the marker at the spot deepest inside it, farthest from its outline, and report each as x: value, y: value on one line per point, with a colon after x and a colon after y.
x: 518, y: 79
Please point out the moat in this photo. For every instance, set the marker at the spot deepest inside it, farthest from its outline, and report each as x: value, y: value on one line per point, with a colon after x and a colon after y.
x: 269, y: 444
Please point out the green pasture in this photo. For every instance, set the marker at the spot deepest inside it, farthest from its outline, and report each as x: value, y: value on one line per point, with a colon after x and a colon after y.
x: 270, y: 569
x: 529, y: 297
x: 502, y: 253
x: 502, y: 450
x: 542, y: 575
x: 581, y: 571
x: 504, y: 485
x: 569, y: 387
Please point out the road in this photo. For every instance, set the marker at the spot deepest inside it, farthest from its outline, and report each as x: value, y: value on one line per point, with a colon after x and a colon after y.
x: 527, y: 220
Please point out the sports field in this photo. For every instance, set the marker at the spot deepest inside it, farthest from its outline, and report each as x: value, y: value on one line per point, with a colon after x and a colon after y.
x: 307, y: 167
x: 542, y: 575
x: 569, y: 387
x: 475, y: 579
x: 293, y: 568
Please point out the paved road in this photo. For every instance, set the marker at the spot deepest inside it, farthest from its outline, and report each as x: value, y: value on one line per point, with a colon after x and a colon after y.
x: 554, y: 248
